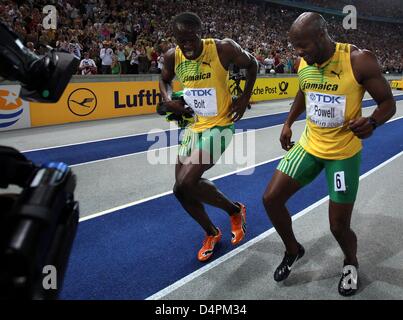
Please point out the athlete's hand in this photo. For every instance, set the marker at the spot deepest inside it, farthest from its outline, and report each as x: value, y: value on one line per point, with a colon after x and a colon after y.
x: 237, y: 108
x: 285, y: 138
x: 175, y: 106
x: 361, y: 127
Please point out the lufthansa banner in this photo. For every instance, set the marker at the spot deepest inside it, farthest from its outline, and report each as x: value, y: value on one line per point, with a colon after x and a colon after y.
x: 98, y: 100
x: 104, y: 100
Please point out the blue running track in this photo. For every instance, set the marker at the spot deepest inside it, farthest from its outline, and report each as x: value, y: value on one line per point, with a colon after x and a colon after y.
x: 135, y: 252
x: 91, y: 151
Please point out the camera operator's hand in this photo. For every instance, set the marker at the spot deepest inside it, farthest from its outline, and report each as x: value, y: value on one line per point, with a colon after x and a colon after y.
x: 238, y: 107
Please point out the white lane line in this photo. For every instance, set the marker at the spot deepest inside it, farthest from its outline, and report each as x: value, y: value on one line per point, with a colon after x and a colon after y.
x: 124, y: 206
x: 91, y: 141
x: 160, y: 294
x: 91, y: 216
x: 137, y: 134
x: 228, y: 255
x: 122, y: 156
x: 94, y: 215
x: 144, y: 133
x: 394, y: 119
x: 176, y: 145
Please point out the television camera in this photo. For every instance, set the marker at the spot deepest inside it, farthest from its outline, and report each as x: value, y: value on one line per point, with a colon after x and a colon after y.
x: 37, y: 225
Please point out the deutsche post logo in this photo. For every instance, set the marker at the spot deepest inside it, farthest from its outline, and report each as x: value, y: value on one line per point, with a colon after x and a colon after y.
x: 283, y: 87
x: 82, y: 102
x: 10, y: 108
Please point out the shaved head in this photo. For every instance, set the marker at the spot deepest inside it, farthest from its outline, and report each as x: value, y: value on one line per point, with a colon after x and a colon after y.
x: 309, y: 37
x: 309, y: 23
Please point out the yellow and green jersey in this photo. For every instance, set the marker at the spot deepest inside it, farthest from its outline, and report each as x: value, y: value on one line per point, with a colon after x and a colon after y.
x: 332, y: 97
x: 205, y: 86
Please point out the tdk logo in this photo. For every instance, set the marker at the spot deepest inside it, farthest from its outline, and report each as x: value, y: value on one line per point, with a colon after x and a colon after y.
x: 325, y: 98
x: 201, y: 92
x: 312, y: 96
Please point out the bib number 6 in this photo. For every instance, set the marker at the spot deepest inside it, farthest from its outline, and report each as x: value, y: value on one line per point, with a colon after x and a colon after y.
x: 339, y: 182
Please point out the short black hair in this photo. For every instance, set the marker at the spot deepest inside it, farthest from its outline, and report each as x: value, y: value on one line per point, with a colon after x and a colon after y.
x: 188, y: 19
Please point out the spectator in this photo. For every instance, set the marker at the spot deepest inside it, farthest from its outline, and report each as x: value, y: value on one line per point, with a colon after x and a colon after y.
x: 106, y: 54
x: 63, y: 45
x: 31, y: 47
x: 87, y: 65
x: 148, y: 50
x: 269, y: 64
x: 121, y: 57
x: 134, y: 61
x: 143, y: 61
x: 154, y: 68
x: 128, y: 54
x: 75, y: 48
x: 261, y: 27
x: 115, y: 66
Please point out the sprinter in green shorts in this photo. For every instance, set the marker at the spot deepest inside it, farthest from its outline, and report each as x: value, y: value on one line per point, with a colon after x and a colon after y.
x: 201, y: 65
x: 333, y: 78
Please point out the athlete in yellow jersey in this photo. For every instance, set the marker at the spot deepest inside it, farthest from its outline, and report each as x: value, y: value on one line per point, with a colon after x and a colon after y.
x: 201, y: 65
x: 332, y: 78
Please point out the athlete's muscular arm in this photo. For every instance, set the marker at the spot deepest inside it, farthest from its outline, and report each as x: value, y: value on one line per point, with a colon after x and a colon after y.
x: 167, y: 75
x: 297, y: 63
x: 231, y: 52
x: 297, y: 108
x: 368, y: 73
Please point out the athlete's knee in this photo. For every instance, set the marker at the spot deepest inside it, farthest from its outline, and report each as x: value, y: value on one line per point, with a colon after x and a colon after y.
x: 185, y: 184
x: 177, y: 190
x: 266, y: 199
x: 272, y: 200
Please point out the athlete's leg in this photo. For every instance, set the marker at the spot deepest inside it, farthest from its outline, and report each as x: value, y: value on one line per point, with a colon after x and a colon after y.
x: 210, y: 194
x: 279, y: 190
x: 192, y: 190
x: 295, y: 170
x: 212, y: 143
x: 339, y: 218
x: 343, y: 178
x: 197, y: 154
x: 194, y: 207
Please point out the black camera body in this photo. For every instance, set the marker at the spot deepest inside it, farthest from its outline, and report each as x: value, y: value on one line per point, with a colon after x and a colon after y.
x: 43, y: 78
x: 37, y: 228
x: 235, y: 87
x: 38, y: 225
x: 237, y: 77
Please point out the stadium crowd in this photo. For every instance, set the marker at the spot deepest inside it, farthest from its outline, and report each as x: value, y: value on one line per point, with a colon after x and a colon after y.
x: 392, y: 9
x: 130, y: 37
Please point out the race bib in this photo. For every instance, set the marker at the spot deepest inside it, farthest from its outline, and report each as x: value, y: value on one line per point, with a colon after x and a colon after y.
x: 339, y: 181
x: 325, y: 110
x: 203, y: 101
